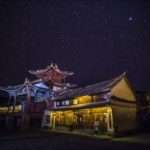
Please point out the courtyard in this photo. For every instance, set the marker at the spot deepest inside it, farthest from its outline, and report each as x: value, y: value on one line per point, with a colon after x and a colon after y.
x: 46, y: 140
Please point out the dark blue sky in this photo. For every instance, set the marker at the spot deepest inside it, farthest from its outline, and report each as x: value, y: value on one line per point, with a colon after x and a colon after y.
x: 97, y: 40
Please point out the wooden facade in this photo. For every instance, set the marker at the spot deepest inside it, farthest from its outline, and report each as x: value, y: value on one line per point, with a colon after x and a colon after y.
x: 108, y: 107
x: 22, y: 106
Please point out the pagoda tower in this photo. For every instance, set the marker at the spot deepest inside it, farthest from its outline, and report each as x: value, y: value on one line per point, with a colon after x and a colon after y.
x: 53, y: 76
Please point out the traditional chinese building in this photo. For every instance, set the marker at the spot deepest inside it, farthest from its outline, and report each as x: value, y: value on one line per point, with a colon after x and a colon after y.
x: 108, y: 106
x: 53, y: 76
x: 23, y: 105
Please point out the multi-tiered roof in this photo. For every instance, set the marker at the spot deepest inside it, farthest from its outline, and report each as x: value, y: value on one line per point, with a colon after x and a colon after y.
x: 53, y: 75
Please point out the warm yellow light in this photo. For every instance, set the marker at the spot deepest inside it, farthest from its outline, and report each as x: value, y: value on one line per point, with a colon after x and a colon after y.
x: 5, y: 109
x: 84, y: 99
x: 75, y: 101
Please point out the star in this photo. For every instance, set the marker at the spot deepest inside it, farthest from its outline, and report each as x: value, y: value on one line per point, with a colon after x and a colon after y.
x: 130, y: 18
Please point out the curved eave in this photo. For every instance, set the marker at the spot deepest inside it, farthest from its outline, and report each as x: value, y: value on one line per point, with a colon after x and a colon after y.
x: 79, y: 92
x: 3, y: 94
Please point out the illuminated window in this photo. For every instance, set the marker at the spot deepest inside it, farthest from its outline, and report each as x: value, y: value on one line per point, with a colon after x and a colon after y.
x: 75, y: 102
x: 84, y: 99
x: 57, y: 103
x: 148, y: 97
x: 63, y: 102
x: 67, y: 102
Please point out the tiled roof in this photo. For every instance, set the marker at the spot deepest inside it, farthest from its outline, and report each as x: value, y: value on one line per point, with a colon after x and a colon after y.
x: 101, y: 87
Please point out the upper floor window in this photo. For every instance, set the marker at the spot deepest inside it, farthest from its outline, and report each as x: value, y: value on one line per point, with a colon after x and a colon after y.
x: 63, y: 103
x: 75, y: 101
x: 84, y: 99
x: 57, y: 103
x: 67, y: 102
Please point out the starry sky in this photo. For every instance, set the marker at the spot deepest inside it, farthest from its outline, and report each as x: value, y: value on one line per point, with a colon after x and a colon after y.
x: 96, y: 39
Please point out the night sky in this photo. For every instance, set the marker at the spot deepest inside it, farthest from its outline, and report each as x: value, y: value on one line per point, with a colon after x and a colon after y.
x: 96, y: 39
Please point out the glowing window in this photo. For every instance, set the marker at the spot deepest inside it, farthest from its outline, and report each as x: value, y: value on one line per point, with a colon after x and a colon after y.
x: 67, y: 102
x: 75, y: 102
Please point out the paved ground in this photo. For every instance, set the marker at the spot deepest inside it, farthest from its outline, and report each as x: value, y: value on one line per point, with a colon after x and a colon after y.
x: 38, y: 140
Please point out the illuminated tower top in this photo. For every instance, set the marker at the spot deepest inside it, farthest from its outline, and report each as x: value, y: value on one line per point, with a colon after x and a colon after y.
x: 51, y: 74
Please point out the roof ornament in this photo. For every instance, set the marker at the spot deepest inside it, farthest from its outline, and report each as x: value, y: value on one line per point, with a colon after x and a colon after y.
x: 52, y: 73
